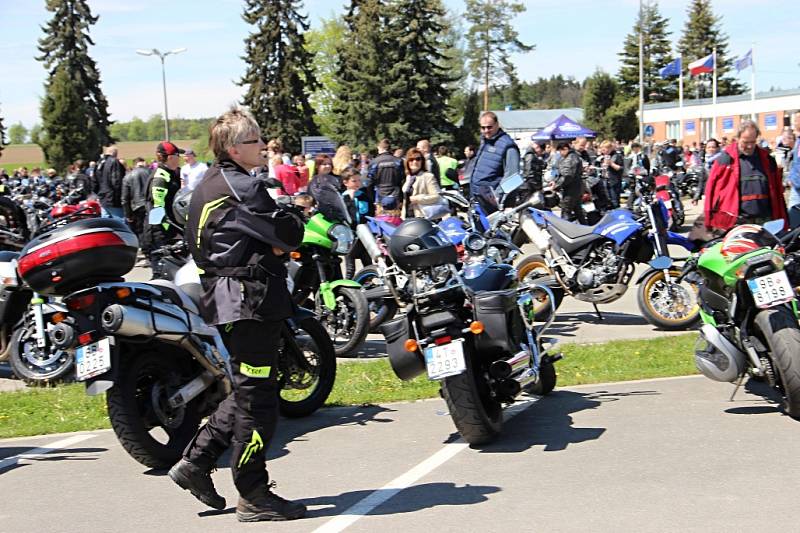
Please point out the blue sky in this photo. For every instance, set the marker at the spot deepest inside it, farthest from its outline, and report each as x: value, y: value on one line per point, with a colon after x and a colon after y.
x: 572, y: 38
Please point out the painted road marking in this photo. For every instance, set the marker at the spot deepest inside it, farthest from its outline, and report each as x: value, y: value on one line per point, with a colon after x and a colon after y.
x: 37, y: 452
x: 383, y: 494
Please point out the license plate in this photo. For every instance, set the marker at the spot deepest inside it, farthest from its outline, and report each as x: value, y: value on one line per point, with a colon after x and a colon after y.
x: 446, y: 360
x: 589, y: 207
x: 93, y: 359
x: 771, y: 290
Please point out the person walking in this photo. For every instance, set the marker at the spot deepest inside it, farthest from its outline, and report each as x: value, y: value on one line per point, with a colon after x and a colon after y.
x: 237, y: 235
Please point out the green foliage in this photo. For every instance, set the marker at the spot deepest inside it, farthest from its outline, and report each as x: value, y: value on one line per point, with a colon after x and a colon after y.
x: 2, y: 136
x: 153, y: 130
x: 606, y: 110
x: 621, y: 118
x: 544, y: 93
x: 657, y: 52
x: 279, y: 76
x: 700, y: 35
x: 67, y: 136
x: 490, y: 41
x: 64, y: 48
x: 17, y: 133
x: 323, y: 44
x: 467, y: 133
x: 36, y: 134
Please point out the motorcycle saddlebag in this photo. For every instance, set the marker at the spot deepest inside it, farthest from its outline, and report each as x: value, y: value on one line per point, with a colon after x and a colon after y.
x: 406, y: 365
x: 496, y: 310
x: 77, y: 255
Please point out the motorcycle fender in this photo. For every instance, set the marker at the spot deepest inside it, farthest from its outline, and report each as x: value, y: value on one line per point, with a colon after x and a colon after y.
x: 327, y: 289
x: 103, y: 382
x: 645, y: 274
x: 680, y: 240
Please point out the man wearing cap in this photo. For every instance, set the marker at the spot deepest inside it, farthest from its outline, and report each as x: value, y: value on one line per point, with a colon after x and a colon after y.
x: 192, y: 172
x: 164, y: 182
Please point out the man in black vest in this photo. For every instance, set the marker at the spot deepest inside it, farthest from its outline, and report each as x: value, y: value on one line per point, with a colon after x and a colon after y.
x: 497, y: 157
x: 386, y: 176
x: 237, y: 235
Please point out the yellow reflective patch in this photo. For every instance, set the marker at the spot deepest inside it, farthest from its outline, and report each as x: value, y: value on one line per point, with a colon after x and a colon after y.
x: 207, y: 209
x: 255, y: 371
x: 254, y: 446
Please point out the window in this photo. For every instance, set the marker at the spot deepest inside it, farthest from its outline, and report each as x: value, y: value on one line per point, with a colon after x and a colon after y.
x: 674, y: 129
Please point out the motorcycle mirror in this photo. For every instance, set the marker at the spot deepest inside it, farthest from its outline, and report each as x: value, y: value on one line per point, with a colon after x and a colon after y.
x: 156, y: 215
x: 661, y: 263
x: 774, y: 226
x: 511, y: 183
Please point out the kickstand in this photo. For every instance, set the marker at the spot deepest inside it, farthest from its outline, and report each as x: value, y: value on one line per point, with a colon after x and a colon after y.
x: 738, y: 384
x: 596, y: 310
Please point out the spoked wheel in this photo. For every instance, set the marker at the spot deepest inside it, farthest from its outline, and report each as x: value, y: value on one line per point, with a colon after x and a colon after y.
x: 380, y: 310
x: 34, y: 364
x: 348, y: 323
x: 670, y: 306
x: 307, y: 368
x: 530, y: 269
x: 150, y: 430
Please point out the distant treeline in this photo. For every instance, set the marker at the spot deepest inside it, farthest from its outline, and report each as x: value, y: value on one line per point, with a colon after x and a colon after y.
x: 152, y: 129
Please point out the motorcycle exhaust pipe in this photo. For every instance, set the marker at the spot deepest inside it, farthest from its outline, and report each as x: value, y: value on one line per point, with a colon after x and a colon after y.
x: 504, y: 368
x: 62, y: 336
x: 539, y: 238
x: 368, y: 240
x: 133, y: 322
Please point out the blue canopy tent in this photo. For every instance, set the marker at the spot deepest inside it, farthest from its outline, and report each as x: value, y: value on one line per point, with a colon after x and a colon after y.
x: 562, y: 128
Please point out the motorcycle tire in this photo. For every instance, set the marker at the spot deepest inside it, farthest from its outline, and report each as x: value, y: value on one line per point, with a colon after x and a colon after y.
x: 477, y: 417
x: 687, y: 319
x: 306, y: 384
x: 779, y: 327
x: 34, y: 366
x: 529, y: 269
x: 546, y: 382
x: 137, y: 405
x: 353, y: 308
x: 379, y: 310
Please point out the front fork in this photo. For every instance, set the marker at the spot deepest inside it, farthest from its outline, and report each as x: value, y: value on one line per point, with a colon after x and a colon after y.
x: 39, y: 333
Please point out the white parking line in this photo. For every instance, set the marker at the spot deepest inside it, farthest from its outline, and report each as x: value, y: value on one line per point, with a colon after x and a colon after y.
x: 36, y: 452
x: 383, y: 494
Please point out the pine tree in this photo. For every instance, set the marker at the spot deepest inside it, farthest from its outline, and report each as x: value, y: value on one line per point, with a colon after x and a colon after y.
x: 65, y: 47
x: 600, y: 95
x: 361, y: 72
x: 700, y: 35
x: 67, y: 137
x: 657, y: 53
x: 490, y: 41
x: 418, y: 87
x: 279, y: 78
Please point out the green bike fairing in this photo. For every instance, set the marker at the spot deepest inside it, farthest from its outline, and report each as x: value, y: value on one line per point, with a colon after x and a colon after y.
x: 316, y: 231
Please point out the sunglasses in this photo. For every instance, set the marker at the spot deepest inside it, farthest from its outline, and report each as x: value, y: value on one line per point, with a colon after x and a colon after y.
x: 415, y: 159
x: 254, y: 141
x: 487, y: 127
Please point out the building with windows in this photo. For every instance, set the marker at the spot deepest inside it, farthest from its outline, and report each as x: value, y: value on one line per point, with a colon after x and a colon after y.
x: 521, y: 124
x: 699, y: 120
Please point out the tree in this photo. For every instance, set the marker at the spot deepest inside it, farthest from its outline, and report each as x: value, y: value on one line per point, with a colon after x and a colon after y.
x: 65, y: 49
x: 323, y: 44
x: 700, y: 35
x: 137, y: 130
x: 545, y: 93
x: 2, y: 136
x: 17, y: 133
x: 657, y: 53
x: 467, y: 133
x: 35, y: 134
x: 418, y: 87
x: 67, y: 138
x: 279, y: 78
x: 491, y: 40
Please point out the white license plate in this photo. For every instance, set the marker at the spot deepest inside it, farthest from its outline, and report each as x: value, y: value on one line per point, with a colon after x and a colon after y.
x: 93, y: 359
x: 589, y: 207
x: 445, y: 360
x: 771, y: 290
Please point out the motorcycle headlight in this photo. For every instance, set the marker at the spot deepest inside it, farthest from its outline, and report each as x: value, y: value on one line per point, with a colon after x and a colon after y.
x: 474, y: 242
x: 342, y: 238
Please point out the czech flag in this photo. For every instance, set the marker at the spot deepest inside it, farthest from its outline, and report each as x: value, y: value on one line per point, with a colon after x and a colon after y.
x: 704, y: 64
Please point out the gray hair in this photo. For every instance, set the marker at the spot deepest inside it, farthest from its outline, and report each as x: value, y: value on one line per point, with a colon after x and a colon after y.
x: 747, y: 124
x: 232, y: 127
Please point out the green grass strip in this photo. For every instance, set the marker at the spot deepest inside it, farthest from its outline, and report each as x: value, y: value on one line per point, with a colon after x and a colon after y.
x: 67, y: 408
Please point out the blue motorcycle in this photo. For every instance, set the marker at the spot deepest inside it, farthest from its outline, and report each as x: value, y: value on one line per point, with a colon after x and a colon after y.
x: 596, y: 264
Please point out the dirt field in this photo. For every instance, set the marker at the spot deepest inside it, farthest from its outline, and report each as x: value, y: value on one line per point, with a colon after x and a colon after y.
x: 30, y: 155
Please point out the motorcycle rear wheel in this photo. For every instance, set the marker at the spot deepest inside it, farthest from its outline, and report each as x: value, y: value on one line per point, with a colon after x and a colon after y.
x: 306, y: 384
x: 477, y: 417
x: 137, y: 405
x: 379, y: 310
x: 650, y: 298
x: 531, y: 268
x: 779, y: 327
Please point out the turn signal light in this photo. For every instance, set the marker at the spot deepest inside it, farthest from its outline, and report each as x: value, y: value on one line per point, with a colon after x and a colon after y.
x: 294, y: 255
x: 411, y: 345
x: 476, y: 327
x: 58, y: 317
x: 123, y: 293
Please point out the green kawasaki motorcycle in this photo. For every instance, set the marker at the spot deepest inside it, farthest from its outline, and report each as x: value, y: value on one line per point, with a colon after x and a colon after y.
x: 316, y: 271
x: 749, y: 313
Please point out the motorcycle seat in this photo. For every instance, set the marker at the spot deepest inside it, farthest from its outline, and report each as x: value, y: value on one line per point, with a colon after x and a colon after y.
x: 573, y: 230
x: 176, y: 294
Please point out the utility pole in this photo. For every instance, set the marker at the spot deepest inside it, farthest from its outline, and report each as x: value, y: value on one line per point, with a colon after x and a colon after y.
x: 161, y: 56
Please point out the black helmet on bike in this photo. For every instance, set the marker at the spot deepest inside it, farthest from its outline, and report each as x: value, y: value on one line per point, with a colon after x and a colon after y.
x: 180, y: 206
x: 418, y: 243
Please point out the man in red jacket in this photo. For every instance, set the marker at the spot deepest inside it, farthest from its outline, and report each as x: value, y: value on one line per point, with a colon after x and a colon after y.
x: 744, y: 186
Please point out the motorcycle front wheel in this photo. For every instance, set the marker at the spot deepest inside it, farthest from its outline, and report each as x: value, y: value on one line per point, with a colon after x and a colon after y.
x: 307, y: 364
x: 380, y: 310
x: 778, y: 326
x: 151, y: 431
x: 347, y: 324
x: 34, y: 365
x: 670, y: 307
x: 528, y: 270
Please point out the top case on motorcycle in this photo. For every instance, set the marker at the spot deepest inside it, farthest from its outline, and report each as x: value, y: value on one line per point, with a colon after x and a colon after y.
x: 571, y: 236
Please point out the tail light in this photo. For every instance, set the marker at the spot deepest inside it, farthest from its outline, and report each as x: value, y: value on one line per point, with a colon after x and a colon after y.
x: 81, y: 302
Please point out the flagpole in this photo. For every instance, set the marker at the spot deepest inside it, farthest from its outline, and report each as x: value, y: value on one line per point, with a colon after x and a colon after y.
x: 714, y: 94
x: 680, y: 93
x: 641, y: 74
x: 752, y: 84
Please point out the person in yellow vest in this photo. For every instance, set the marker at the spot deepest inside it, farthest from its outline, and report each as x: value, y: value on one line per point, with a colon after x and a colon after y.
x: 447, y: 168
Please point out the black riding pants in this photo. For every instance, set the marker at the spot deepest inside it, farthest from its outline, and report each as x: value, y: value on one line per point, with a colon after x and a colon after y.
x: 246, y: 419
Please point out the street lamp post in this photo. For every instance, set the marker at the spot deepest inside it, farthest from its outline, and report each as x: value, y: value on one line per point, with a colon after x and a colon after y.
x: 161, y: 56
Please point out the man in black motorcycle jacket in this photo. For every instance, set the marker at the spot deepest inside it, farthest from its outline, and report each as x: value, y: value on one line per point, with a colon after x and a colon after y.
x: 570, y: 181
x: 237, y: 235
